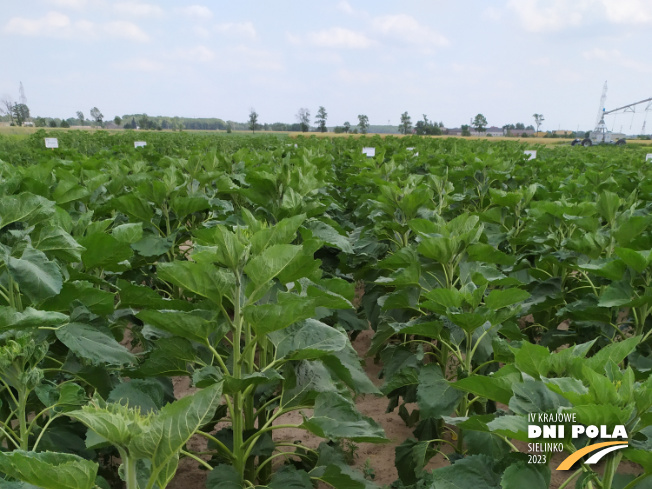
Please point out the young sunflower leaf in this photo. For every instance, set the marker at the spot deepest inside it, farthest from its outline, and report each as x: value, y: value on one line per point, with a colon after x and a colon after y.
x: 169, y: 431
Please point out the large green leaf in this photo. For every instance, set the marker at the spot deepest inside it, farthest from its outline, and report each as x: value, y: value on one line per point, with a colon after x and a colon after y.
x: 494, y: 388
x: 166, y: 435
x: 93, y: 344
x: 128, y: 233
x: 615, y: 352
x: 521, y: 474
x: 170, y: 356
x: 194, y: 326
x: 288, y: 309
x: 37, y: 277
x: 616, y: 294
x: 532, y: 396
x: 29, y: 318
x: 54, y: 241
x: 24, y: 207
x: 411, y: 457
x: 435, y: 395
x: 329, y: 235
x: 308, y: 339
x: 134, y: 206
x: 49, y: 470
x: 533, y: 360
x: 209, y: 282
x: 282, y: 233
x: 336, y: 417
x: 475, y: 471
x: 288, y: 477
x: 152, y: 245
x: 141, y: 297
x: 104, y: 251
x: 503, y: 298
x: 345, y: 365
x: 224, y: 477
x: 272, y: 261
x: 184, y: 206
x: 97, y: 301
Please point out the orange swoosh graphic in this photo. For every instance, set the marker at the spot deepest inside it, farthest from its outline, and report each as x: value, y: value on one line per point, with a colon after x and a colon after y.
x: 571, y: 459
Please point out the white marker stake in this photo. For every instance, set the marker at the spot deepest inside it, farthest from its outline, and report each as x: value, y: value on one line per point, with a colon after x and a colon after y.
x: 52, y: 143
x: 370, y: 152
x: 140, y: 144
x: 648, y: 157
x: 531, y: 155
x: 411, y: 148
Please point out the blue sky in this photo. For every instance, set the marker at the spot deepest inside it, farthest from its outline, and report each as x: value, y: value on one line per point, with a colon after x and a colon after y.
x: 450, y: 60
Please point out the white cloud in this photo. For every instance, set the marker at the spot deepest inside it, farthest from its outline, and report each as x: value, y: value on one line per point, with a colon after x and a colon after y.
x: 125, y: 30
x: 202, y: 32
x: 58, y: 25
x: 136, y: 9
x: 237, y: 29
x: 492, y: 13
x: 197, y: 12
x: 356, y: 76
x: 71, y: 4
x: 407, y: 29
x: 615, y: 57
x: 338, y: 37
x: 344, y: 6
x: 543, y: 61
x: 551, y: 16
x: 554, y: 15
x: 601, y: 54
x: 197, y: 54
x: 256, y: 59
x: 53, y: 24
x: 628, y: 11
x: 140, y: 64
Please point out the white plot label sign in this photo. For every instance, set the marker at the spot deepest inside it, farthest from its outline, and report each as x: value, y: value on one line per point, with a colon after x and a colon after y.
x: 370, y: 152
x: 140, y: 144
x: 52, y: 143
x: 648, y: 157
x: 531, y: 155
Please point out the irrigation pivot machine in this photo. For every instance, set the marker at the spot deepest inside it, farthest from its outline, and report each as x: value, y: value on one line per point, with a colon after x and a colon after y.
x: 602, y: 135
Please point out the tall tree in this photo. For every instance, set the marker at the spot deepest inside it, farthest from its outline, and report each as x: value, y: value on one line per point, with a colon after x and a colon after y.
x: 538, y: 120
x: 20, y: 113
x: 406, y: 123
x: 347, y: 127
x: 253, y: 120
x: 363, y: 123
x: 117, y: 120
x: 80, y: 116
x: 303, y: 116
x: 97, y: 115
x: 320, y: 120
x: 465, y: 130
x: 479, y: 123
